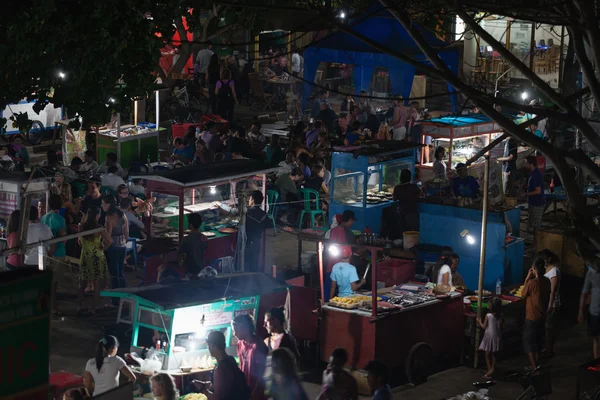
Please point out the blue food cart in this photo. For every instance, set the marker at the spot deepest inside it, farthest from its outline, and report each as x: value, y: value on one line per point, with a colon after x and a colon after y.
x: 363, y: 179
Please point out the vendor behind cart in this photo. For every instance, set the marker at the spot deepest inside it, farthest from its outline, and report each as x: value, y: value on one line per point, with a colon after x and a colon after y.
x: 464, y: 185
x: 256, y: 223
x: 191, y: 248
x: 344, y: 277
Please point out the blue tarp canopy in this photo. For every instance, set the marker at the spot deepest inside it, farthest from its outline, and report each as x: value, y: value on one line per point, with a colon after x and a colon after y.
x: 383, y: 28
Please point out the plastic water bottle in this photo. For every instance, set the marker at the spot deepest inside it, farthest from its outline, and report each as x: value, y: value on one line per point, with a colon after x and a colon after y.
x: 498, y: 287
x: 148, y: 159
x: 197, y: 132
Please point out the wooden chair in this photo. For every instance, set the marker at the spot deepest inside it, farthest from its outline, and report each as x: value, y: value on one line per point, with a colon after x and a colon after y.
x: 259, y: 96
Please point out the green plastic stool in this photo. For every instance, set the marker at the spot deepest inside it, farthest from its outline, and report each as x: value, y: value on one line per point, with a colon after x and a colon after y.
x: 311, y: 206
x: 272, y: 197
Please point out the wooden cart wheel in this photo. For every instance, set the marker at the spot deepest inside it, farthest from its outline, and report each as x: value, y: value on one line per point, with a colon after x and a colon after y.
x: 419, y: 363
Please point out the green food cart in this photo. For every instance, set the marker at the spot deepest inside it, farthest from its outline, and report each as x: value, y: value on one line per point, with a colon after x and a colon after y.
x: 181, y: 314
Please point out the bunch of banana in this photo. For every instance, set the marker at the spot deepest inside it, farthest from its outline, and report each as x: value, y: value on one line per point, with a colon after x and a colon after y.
x: 517, y: 292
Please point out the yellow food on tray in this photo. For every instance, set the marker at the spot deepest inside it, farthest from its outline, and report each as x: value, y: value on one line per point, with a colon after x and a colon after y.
x: 194, y: 396
x: 345, y: 300
x: 518, y: 292
x: 352, y: 299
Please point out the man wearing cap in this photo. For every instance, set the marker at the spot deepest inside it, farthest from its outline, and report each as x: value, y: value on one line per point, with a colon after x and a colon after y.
x: 464, y: 185
x: 342, y: 233
x: 344, y: 277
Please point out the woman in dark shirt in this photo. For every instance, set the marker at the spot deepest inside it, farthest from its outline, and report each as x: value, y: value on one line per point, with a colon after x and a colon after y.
x: 278, y: 336
x: 316, y: 181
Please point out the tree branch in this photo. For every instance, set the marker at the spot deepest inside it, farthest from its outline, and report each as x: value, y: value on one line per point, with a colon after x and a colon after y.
x: 181, y: 30
x: 586, y: 65
x: 575, y: 198
x: 558, y: 99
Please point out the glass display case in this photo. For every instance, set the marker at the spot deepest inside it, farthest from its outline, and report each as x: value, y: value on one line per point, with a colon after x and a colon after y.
x: 363, y: 181
x: 461, y: 136
x: 179, y: 192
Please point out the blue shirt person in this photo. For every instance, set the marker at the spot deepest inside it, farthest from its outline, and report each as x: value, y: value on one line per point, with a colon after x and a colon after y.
x: 536, y: 180
x: 182, y: 152
x: 344, y: 276
x: 464, y: 185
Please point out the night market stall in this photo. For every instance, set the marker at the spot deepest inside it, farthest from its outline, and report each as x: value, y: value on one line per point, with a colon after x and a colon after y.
x: 382, y: 28
x: 363, y: 179
x: 196, y: 189
x: 404, y: 325
x: 14, y: 185
x: 135, y: 142
x: 462, y: 136
x: 170, y: 322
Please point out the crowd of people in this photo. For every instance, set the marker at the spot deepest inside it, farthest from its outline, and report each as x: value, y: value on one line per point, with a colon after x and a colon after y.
x: 267, y: 368
x: 83, y: 196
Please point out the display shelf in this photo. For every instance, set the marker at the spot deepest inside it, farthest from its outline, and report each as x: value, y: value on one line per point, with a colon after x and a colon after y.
x: 370, y: 170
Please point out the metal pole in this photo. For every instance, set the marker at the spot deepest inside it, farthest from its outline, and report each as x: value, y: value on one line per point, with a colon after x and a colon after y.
x: 242, y: 236
x: 532, y: 46
x: 486, y: 186
x: 561, y: 57
x: 119, y: 138
x: 321, y: 273
x: 158, y: 122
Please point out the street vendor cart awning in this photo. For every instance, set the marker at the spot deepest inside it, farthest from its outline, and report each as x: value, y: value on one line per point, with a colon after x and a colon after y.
x: 181, y: 294
x: 196, y: 175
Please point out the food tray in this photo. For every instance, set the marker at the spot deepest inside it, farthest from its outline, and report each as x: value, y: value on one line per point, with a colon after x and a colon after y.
x: 344, y: 305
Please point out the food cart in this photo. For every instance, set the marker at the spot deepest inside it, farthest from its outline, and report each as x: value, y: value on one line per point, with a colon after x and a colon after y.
x: 194, y: 189
x: 130, y: 143
x: 363, y: 179
x: 404, y: 325
x: 460, y: 228
x: 462, y: 136
x: 12, y: 188
x: 181, y: 314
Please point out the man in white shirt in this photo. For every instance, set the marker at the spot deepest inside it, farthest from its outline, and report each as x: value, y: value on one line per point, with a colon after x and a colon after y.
x: 297, y: 63
x: 111, y: 179
x: 255, y: 133
x: 90, y: 164
x: 37, y: 232
x: 111, y: 159
x: 202, y: 61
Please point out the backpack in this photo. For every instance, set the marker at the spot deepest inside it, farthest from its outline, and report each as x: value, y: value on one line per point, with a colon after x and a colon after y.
x: 225, y: 92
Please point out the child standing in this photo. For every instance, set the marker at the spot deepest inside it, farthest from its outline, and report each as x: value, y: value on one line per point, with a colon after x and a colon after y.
x: 492, y: 338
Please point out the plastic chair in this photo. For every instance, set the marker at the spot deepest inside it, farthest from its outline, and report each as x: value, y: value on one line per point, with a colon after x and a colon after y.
x: 272, y: 197
x: 108, y: 190
x: 310, y: 206
x: 133, y: 250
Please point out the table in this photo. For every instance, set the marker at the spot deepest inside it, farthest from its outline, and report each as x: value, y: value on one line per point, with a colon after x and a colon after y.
x: 279, y: 88
x: 559, y: 195
x: 279, y: 125
x: 271, y: 132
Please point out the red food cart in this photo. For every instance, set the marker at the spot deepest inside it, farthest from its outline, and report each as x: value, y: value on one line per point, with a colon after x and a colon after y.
x: 194, y: 189
x: 408, y: 327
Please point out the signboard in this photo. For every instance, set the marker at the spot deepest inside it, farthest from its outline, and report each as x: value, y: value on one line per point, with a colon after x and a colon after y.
x: 24, y: 334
